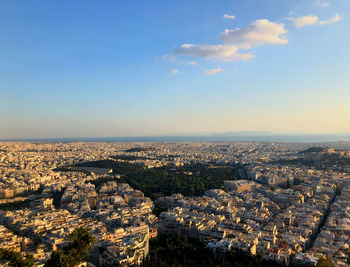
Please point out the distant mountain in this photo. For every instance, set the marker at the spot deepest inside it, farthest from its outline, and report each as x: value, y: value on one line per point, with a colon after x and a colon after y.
x: 238, y: 136
x: 243, y: 133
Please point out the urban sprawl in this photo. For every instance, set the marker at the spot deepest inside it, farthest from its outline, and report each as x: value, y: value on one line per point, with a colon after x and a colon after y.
x: 290, y: 202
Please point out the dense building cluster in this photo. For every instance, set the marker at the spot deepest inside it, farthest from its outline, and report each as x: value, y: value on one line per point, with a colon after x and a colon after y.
x: 290, y: 213
x: 333, y: 239
x: 277, y: 223
x: 119, y: 220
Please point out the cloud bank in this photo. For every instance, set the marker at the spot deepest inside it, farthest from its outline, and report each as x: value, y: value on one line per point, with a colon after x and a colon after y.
x: 223, y: 52
x: 260, y: 32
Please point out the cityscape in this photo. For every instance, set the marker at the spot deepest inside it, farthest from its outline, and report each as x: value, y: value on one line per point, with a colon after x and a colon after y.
x: 202, y: 133
x: 287, y: 202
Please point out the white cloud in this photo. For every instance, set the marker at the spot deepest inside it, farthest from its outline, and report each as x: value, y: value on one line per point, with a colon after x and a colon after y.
x: 192, y: 63
x: 336, y: 18
x: 261, y: 32
x: 223, y: 52
x: 174, y: 71
x: 305, y: 20
x: 258, y: 33
x: 313, y: 20
x: 213, y: 71
x: 227, y: 16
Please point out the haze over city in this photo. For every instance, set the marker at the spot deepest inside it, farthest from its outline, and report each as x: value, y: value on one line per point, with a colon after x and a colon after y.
x: 142, y: 68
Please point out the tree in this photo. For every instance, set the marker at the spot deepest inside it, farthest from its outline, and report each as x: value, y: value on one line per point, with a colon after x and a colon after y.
x: 80, y: 241
x: 60, y: 259
x: 14, y: 259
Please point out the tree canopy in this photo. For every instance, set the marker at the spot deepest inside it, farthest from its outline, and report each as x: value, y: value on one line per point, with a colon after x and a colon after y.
x: 185, y: 252
x: 191, y: 179
x: 15, y: 259
x: 80, y: 241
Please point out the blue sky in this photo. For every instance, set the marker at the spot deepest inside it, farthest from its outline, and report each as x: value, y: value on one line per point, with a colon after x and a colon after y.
x: 117, y: 68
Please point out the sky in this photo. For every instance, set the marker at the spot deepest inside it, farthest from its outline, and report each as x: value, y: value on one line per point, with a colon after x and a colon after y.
x: 81, y: 68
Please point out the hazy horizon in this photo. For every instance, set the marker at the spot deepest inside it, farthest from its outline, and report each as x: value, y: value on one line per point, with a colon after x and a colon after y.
x: 97, y: 69
x: 199, y: 137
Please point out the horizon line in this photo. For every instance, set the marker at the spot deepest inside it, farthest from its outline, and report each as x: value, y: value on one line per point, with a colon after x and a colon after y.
x: 236, y: 134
